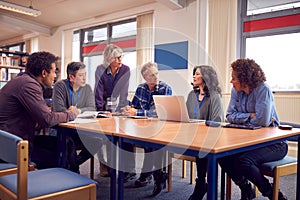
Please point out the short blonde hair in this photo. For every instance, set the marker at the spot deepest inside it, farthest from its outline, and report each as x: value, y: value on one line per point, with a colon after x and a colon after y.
x: 146, y: 66
x: 111, y: 51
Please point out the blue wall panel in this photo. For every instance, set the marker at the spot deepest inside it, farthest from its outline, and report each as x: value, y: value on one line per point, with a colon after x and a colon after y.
x: 172, y: 55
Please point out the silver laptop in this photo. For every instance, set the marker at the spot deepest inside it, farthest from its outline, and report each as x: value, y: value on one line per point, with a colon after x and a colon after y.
x: 172, y: 108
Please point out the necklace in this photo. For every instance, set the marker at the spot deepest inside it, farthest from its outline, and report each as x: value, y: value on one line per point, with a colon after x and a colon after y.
x: 201, y: 96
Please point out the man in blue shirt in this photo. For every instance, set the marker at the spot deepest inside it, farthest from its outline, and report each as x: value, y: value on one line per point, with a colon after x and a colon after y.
x: 143, y: 105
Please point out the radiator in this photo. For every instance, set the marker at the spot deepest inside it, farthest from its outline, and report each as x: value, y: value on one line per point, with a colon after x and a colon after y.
x: 287, y: 106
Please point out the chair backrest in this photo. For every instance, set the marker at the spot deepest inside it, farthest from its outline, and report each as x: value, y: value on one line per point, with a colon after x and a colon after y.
x: 14, y: 149
x: 8, y: 147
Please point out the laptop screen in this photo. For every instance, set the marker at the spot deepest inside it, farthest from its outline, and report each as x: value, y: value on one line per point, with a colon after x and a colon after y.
x: 171, y: 108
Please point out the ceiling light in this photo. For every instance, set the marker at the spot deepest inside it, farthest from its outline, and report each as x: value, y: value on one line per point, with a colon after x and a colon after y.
x: 19, y: 9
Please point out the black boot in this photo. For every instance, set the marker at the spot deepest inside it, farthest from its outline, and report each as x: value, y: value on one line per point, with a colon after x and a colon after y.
x: 247, y: 192
x: 199, y: 190
x: 281, y: 196
x: 160, y: 178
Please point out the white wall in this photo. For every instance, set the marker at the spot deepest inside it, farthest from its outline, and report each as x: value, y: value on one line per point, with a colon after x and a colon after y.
x: 176, y: 26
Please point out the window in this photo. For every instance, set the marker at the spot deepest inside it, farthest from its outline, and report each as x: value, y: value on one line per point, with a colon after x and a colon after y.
x: 15, y: 47
x: 258, y: 6
x: 272, y: 39
x: 76, y: 47
x: 123, y: 30
x: 278, y: 55
x: 94, y: 41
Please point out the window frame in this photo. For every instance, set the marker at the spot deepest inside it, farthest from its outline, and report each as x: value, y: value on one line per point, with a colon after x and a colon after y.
x: 90, y: 49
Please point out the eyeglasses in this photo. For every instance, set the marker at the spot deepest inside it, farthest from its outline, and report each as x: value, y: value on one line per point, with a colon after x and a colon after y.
x: 119, y: 57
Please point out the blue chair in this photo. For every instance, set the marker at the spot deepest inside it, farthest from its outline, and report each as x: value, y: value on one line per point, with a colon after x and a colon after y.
x: 53, y: 183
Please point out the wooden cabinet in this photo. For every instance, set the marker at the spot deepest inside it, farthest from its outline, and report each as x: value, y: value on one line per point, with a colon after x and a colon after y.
x: 11, y: 63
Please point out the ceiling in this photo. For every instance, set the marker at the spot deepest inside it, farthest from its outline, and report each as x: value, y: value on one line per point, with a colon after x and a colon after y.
x: 56, y: 13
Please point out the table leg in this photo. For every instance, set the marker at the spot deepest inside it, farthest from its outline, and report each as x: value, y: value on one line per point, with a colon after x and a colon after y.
x: 113, y: 164
x: 212, y: 178
x: 222, y: 184
x: 298, y: 171
x: 61, y: 148
x: 120, y: 172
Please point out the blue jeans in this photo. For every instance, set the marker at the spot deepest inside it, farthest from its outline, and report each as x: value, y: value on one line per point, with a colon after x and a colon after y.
x: 246, y: 165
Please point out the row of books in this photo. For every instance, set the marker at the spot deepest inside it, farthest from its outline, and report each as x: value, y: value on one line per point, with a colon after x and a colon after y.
x: 9, y: 61
x: 7, y: 74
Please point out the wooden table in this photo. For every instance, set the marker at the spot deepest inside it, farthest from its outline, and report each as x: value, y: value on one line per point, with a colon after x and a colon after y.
x: 193, y: 139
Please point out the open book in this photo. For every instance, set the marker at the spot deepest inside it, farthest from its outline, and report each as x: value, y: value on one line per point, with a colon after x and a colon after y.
x: 88, y: 114
x: 94, y: 114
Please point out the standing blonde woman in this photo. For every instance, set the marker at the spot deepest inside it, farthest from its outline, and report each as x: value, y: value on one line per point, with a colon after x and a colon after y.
x: 112, y: 81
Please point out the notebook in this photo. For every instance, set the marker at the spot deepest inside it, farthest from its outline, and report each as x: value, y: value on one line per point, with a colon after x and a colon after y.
x: 242, y: 126
x: 172, y: 108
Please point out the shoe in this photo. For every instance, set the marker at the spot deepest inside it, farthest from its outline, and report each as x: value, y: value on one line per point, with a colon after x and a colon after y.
x: 199, y: 191
x: 104, y: 170
x: 247, y: 191
x: 160, y: 179
x: 281, y: 196
x: 143, y: 180
x: 129, y: 176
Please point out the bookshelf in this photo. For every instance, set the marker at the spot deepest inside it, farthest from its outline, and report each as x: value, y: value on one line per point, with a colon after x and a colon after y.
x: 11, y: 63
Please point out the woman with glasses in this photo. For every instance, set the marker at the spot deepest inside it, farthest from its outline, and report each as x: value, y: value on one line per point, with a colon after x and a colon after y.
x: 112, y: 82
x: 111, y: 78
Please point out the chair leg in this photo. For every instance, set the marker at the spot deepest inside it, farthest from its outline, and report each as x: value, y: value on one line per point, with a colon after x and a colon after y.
x: 183, y: 169
x: 92, y: 167
x: 169, y: 189
x: 228, y: 187
x: 192, y: 174
x: 276, y: 179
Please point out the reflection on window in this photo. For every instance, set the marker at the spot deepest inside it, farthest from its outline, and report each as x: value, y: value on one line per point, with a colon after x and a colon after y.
x: 92, y: 62
x: 95, y: 35
x: 76, y: 47
x: 15, y: 48
x: 258, y: 6
x: 123, y: 30
x: 129, y: 59
x: 278, y: 55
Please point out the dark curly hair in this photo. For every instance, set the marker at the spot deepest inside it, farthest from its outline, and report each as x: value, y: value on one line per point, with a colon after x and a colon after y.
x: 39, y: 61
x: 210, y: 78
x: 248, y: 72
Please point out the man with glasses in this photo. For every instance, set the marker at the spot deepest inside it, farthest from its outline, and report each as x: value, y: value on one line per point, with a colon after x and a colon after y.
x: 143, y: 105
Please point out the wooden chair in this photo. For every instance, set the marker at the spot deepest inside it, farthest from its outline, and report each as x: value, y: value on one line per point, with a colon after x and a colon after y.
x: 184, y: 158
x: 276, y: 169
x: 286, y: 166
x: 53, y: 183
x: 9, y: 168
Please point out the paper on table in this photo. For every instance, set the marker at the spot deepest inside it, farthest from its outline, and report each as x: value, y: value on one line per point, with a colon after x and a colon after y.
x: 88, y: 114
x: 82, y: 121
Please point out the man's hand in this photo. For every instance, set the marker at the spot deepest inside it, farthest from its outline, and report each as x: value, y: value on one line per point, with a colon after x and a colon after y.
x: 75, y: 110
x: 129, y: 111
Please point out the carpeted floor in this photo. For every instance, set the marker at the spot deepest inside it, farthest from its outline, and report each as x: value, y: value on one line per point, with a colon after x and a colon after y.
x: 181, y: 189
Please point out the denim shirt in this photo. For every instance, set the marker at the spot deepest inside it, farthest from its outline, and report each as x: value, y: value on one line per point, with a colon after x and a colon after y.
x: 260, y: 100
